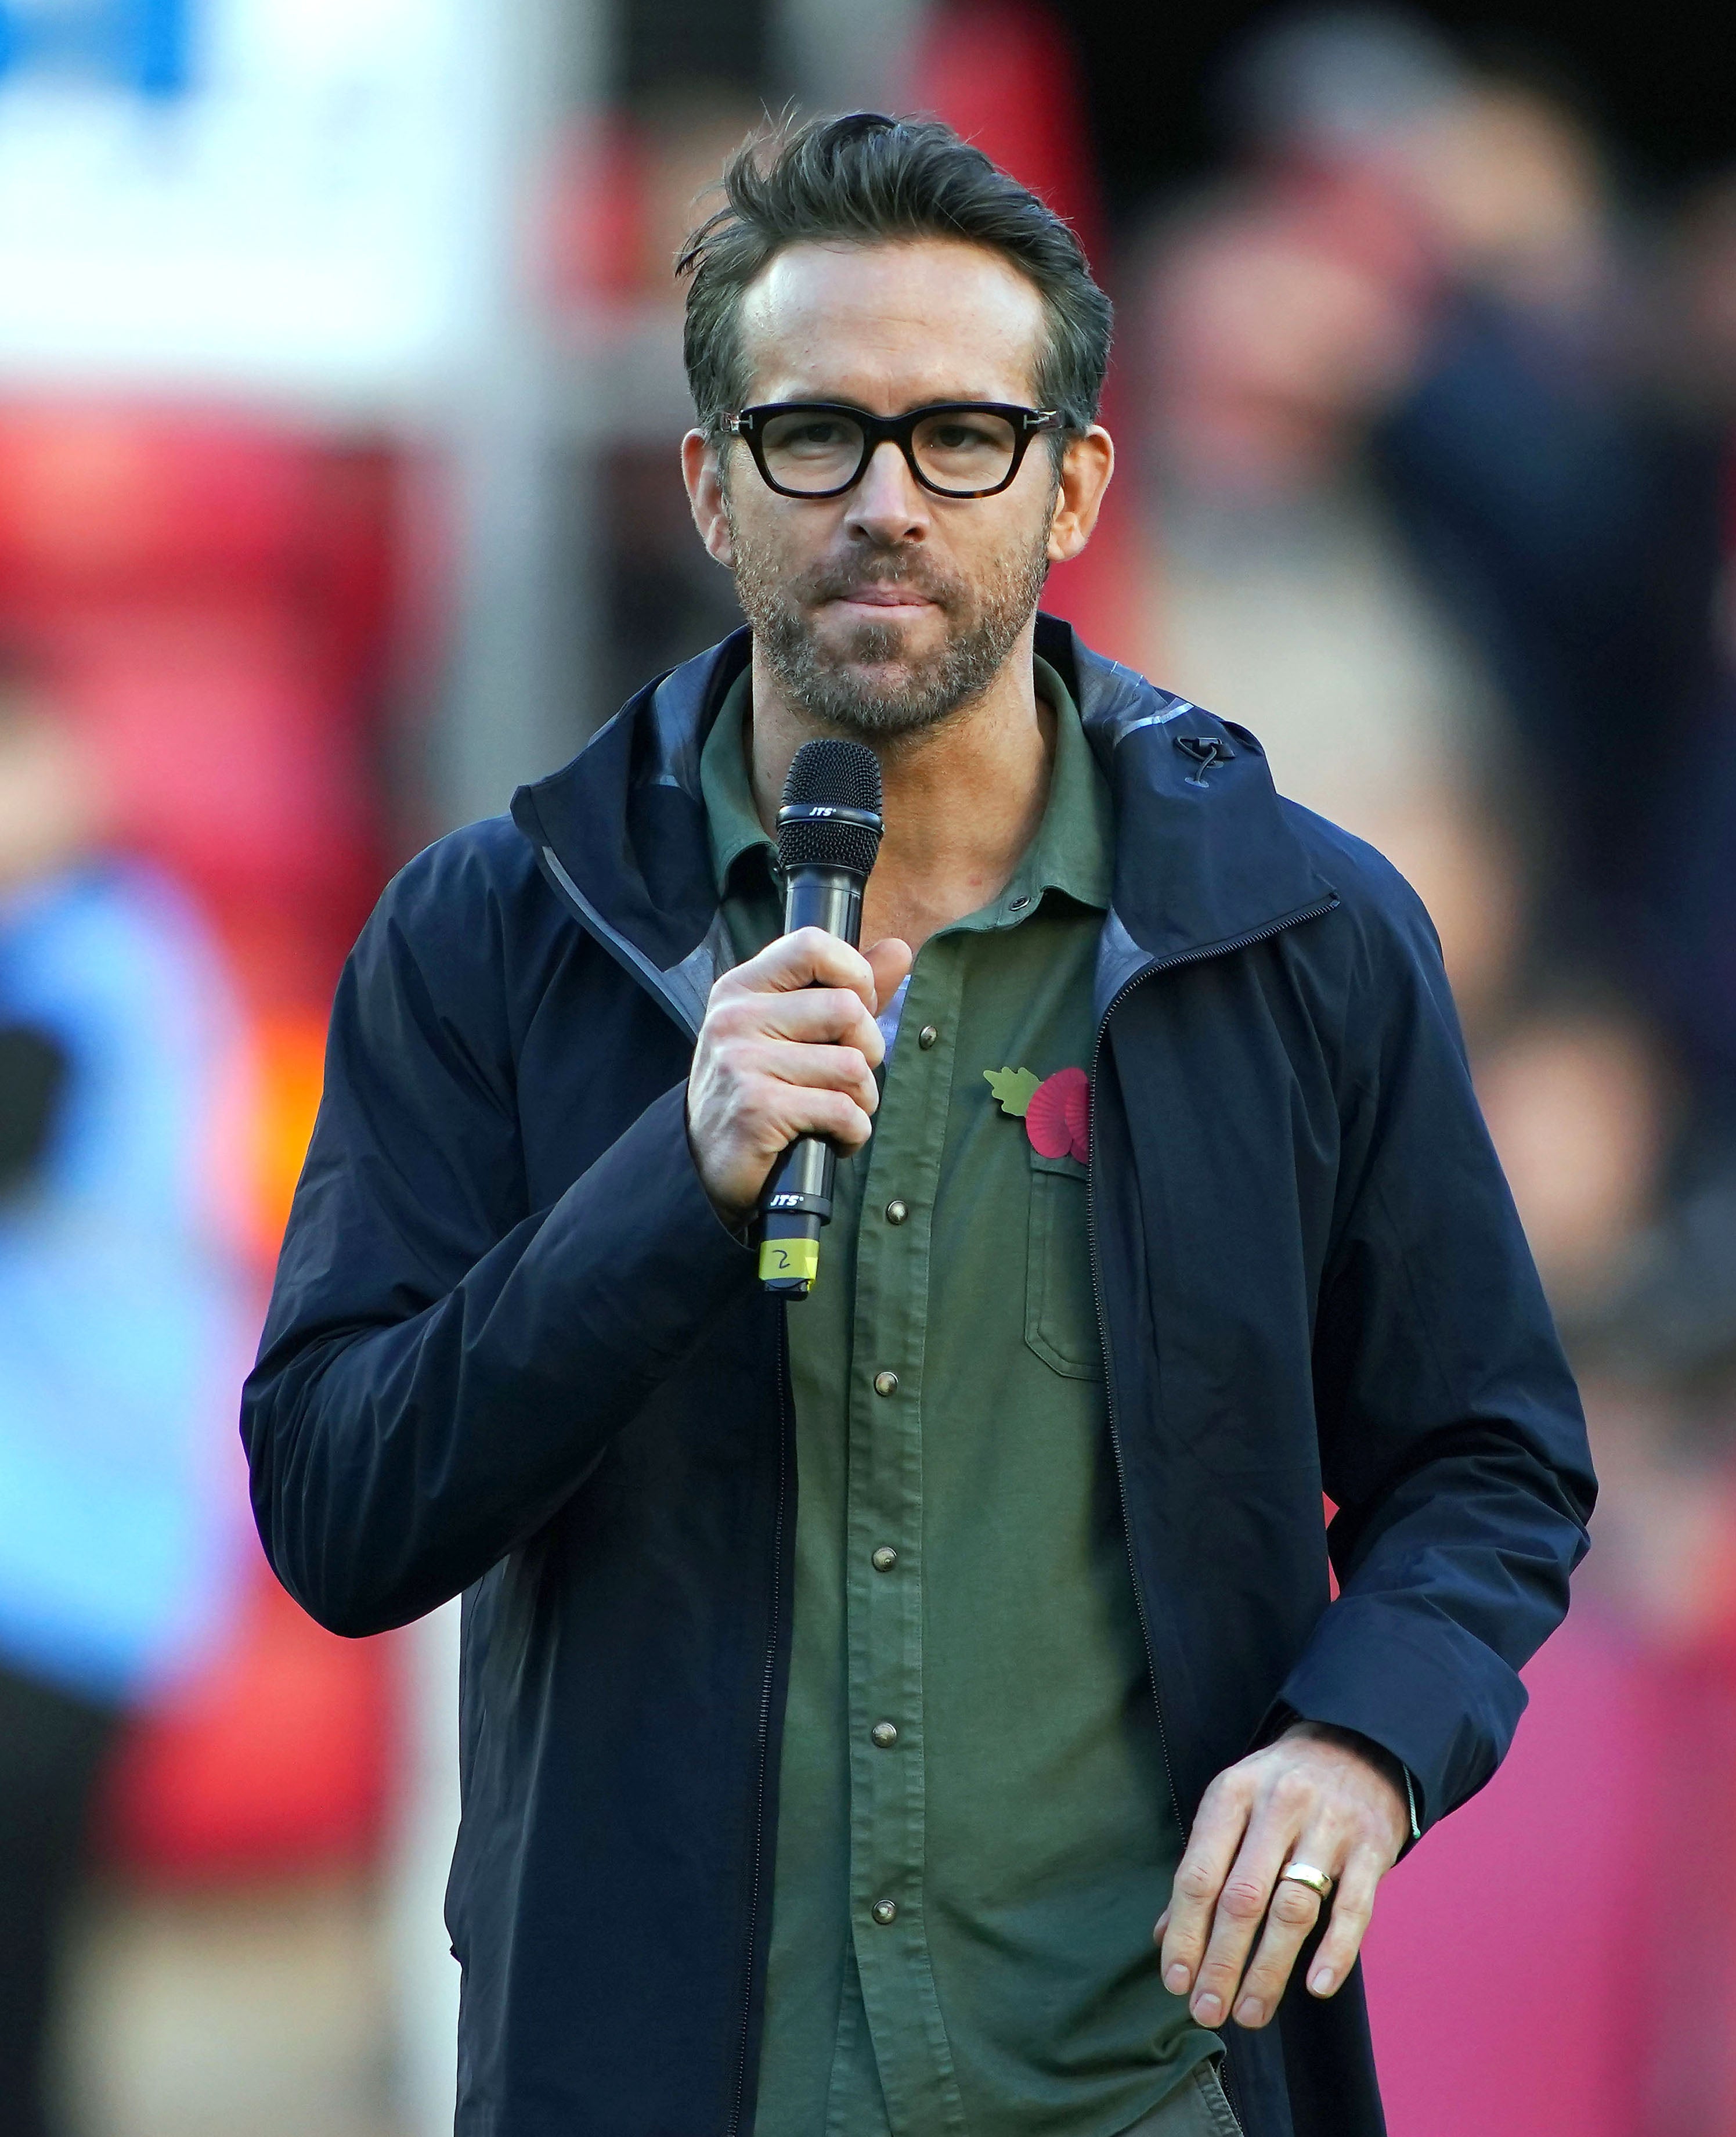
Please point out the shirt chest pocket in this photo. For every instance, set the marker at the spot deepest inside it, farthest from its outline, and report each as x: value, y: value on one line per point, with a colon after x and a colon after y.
x: 1060, y: 1308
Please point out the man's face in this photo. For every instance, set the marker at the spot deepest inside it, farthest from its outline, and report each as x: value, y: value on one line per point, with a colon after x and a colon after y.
x: 885, y: 609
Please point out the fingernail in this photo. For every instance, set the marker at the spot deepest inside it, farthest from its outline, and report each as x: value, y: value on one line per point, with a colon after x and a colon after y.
x: 1176, y: 1980
x: 1207, y: 2010
x: 1322, y: 1981
x: 1250, y: 2013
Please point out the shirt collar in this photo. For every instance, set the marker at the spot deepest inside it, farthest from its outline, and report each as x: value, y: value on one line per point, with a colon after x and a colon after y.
x: 1074, y: 848
x: 726, y: 785
x: 1073, y: 852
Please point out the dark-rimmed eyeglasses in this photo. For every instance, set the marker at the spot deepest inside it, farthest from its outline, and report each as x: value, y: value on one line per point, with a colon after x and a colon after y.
x: 954, y: 448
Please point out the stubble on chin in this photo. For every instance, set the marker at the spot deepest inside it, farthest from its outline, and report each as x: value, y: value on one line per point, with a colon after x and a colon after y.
x: 870, y: 685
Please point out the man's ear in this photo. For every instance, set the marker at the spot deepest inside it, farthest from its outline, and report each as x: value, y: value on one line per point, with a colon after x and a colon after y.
x: 704, y: 480
x: 1085, y: 469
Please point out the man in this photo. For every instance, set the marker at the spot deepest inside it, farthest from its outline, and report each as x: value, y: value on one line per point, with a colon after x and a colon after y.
x: 849, y: 1687
x: 121, y: 1321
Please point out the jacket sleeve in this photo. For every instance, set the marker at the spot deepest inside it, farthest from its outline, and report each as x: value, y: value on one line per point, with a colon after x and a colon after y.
x: 440, y: 1369
x: 1451, y: 1437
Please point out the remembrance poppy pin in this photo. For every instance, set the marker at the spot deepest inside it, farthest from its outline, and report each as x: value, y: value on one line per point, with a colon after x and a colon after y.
x: 1056, y: 1110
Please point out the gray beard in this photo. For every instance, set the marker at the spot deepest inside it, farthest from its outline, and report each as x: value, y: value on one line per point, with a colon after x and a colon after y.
x: 825, y: 685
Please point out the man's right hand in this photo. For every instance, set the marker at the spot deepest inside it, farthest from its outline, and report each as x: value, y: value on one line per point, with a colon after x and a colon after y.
x: 789, y: 1047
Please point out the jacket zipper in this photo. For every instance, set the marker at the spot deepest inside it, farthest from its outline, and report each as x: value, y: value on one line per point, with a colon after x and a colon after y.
x: 785, y: 1407
x: 633, y: 961
x: 1138, y: 979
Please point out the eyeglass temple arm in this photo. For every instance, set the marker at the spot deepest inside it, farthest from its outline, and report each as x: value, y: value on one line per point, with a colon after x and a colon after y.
x: 1032, y: 419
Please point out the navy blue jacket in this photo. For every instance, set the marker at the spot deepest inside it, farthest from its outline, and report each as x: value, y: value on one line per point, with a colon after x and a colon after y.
x: 511, y: 1352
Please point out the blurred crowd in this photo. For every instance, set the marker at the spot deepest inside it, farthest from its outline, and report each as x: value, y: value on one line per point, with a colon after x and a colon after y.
x: 1433, y: 438
x: 1427, y: 417
x: 1435, y: 468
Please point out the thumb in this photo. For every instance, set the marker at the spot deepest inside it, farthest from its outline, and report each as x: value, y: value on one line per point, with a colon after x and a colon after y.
x: 889, y: 960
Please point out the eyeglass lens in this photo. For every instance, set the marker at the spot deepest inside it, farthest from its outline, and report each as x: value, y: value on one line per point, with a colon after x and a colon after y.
x: 818, y: 450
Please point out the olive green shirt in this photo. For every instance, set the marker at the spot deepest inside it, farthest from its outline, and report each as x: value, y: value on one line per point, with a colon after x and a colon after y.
x: 976, y: 1830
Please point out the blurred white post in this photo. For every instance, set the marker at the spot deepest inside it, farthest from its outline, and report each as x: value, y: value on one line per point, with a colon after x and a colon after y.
x: 522, y: 624
x: 425, y: 1973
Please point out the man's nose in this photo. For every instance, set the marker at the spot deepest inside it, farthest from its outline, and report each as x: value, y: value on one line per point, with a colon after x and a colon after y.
x: 888, y: 505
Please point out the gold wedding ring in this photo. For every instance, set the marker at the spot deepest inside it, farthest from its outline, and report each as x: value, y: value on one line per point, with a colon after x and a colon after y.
x: 1304, y: 1873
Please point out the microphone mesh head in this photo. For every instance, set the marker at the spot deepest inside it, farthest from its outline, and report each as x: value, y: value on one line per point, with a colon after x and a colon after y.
x: 831, y: 774
x: 835, y: 773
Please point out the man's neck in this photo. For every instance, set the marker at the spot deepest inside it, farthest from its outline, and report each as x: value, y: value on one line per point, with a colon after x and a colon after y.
x: 963, y: 799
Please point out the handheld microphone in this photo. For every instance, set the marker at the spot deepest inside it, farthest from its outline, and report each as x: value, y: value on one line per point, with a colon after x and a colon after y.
x: 828, y: 831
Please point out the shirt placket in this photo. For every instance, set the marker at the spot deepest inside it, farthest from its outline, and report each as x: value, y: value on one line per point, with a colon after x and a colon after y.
x: 884, y: 1547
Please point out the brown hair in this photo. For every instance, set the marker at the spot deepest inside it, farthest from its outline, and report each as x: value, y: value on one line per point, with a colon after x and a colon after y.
x: 863, y: 178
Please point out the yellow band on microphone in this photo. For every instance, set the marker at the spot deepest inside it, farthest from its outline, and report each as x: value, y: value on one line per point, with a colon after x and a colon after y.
x: 789, y: 1261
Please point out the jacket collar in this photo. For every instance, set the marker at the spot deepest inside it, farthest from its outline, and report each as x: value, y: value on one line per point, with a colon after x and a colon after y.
x: 1205, y: 855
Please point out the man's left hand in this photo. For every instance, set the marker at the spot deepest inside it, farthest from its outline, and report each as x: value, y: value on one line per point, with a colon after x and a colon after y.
x: 1322, y: 1796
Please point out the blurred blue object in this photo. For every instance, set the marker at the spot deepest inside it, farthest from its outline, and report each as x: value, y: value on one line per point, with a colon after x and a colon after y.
x: 145, y: 45
x: 121, y: 1323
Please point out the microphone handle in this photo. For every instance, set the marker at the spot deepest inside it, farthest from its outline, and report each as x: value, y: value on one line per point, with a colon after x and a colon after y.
x: 798, y: 1195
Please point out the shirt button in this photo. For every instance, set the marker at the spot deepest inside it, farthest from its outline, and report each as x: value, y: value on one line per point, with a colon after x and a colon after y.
x: 886, y: 1384
x: 926, y: 1037
x: 897, y: 1212
x: 884, y: 1560
x: 1016, y: 904
x: 885, y: 1735
x: 885, y: 1912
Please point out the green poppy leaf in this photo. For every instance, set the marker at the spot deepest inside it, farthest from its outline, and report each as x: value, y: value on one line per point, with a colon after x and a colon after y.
x: 1013, y: 1087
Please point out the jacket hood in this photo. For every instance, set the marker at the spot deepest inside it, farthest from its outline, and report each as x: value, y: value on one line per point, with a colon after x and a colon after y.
x: 1206, y: 853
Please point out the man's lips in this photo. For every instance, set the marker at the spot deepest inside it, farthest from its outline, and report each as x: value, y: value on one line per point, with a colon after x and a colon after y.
x: 883, y: 597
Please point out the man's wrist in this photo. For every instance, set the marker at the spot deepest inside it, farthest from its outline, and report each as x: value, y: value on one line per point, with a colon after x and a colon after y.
x: 1392, y: 1770
x: 735, y: 1221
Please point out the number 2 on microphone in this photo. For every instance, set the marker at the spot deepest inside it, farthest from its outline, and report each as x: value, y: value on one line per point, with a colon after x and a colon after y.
x: 797, y: 1260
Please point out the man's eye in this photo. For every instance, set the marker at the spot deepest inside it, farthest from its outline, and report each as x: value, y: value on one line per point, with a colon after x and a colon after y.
x: 959, y: 438
x: 821, y: 430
